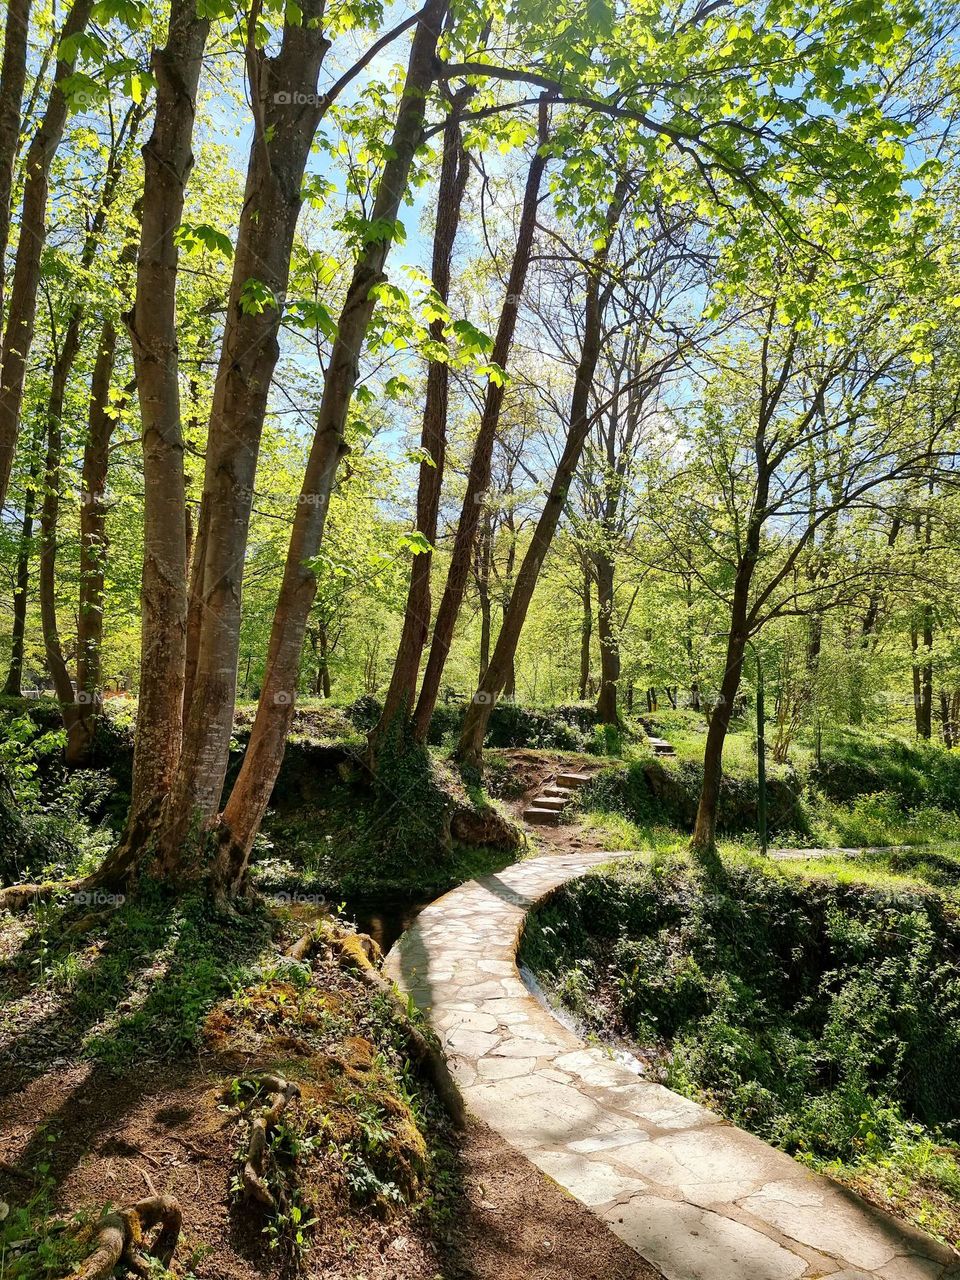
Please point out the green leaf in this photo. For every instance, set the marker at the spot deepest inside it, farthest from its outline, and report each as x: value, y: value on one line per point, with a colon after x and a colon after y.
x: 415, y: 542
x: 194, y: 237
x: 256, y: 297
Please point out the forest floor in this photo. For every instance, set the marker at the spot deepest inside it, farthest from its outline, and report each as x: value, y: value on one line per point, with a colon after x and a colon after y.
x: 120, y: 1073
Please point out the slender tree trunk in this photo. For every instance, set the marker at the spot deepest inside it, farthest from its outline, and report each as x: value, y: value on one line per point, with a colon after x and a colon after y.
x: 478, y: 478
x: 251, y: 792
x: 705, y: 828
x: 168, y: 160
x: 283, y: 136
x: 482, y: 575
x: 868, y: 626
x: 14, y: 682
x: 49, y: 515
x: 586, y: 632
x: 470, y: 746
x: 13, y: 78
x: 21, y: 318
x: 93, y: 545
x: 75, y: 722
x: 607, y: 711
x: 923, y: 676
x: 946, y: 726
x: 510, y: 680
x: 454, y: 171
x: 323, y: 672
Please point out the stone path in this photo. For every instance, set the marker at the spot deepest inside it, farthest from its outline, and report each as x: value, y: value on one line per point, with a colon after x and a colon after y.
x: 553, y: 796
x: 694, y: 1195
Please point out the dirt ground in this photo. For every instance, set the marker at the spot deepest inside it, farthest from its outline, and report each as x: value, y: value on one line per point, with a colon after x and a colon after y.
x: 521, y: 1226
x: 110, y: 1141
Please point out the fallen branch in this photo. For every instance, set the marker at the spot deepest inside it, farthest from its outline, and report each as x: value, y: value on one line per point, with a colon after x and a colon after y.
x: 119, y: 1238
x: 281, y: 1094
x: 18, y: 897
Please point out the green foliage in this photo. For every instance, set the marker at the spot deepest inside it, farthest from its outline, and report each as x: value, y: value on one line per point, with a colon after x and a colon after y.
x: 824, y: 1017
x: 49, y: 816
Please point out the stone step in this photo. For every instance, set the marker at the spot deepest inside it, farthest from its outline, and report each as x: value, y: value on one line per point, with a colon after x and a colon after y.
x: 573, y: 779
x: 559, y: 793
x: 542, y: 817
x: 542, y: 801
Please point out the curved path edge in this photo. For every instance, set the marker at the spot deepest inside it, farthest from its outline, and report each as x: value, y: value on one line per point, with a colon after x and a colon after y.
x: 697, y: 1197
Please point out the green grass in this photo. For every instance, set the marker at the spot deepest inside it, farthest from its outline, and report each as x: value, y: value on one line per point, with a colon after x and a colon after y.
x: 128, y: 985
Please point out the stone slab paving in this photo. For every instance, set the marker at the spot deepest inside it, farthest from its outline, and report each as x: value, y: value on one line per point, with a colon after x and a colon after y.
x: 696, y: 1196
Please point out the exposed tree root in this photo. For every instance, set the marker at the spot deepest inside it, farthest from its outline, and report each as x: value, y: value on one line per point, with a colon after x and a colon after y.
x: 352, y: 949
x: 281, y: 1094
x: 119, y: 1238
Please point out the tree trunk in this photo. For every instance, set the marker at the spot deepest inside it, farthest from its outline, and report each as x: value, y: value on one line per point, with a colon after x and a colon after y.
x: 923, y: 675
x: 868, y: 626
x: 12, y: 81
x: 454, y: 170
x: 705, y: 828
x: 283, y: 135
x: 946, y: 726
x: 21, y: 319
x: 323, y: 666
x: 477, y: 716
x: 261, y: 763
x: 49, y: 515
x: 93, y: 545
x: 168, y: 160
x: 478, y: 477
x: 607, y: 711
x: 484, y: 553
x: 14, y: 682
x: 586, y: 632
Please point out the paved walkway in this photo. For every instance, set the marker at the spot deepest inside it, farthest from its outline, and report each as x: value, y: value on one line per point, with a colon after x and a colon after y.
x: 694, y: 1195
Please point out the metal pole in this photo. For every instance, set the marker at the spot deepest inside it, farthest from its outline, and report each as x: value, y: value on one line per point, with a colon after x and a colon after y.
x: 761, y: 763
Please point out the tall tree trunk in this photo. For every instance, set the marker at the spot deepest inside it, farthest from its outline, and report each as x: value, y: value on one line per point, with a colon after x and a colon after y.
x: 21, y: 318
x: 923, y: 675
x: 261, y: 763
x: 168, y: 160
x: 484, y: 553
x: 283, y: 136
x: 454, y: 170
x: 323, y: 664
x: 945, y: 724
x: 705, y: 827
x: 607, y: 711
x: 74, y: 721
x: 473, y: 730
x: 586, y: 631
x: 13, y: 78
x: 478, y: 477
x: 93, y: 545
x: 13, y: 686
x: 868, y: 626
x: 49, y: 515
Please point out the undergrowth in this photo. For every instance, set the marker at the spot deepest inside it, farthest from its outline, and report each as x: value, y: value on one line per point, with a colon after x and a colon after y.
x: 822, y: 1016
